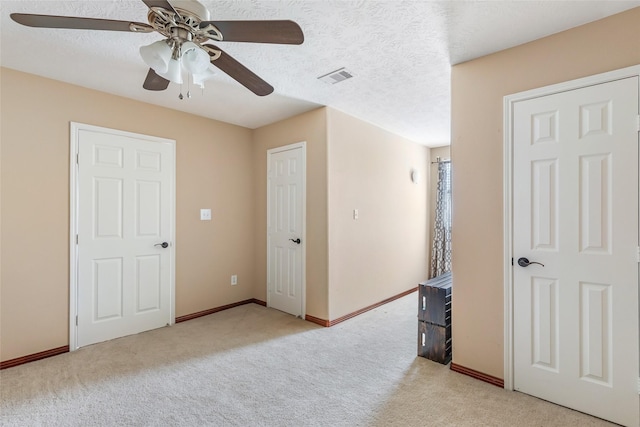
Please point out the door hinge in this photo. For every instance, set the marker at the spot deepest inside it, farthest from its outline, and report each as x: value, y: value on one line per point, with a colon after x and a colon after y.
x: 77, y: 159
x: 76, y: 320
x: 638, y: 254
x: 638, y: 122
x: 76, y: 239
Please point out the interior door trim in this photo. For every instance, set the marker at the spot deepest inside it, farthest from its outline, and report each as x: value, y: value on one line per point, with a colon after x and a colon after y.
x: 74, y: 140
x: 508, y: 109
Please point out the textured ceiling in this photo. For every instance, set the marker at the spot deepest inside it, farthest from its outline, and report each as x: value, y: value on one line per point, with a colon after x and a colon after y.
x: 400, y: 53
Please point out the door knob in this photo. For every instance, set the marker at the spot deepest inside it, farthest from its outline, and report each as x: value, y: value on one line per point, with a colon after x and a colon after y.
x: 163, y: 244
x: 295, y: 241
x: 524, y: 262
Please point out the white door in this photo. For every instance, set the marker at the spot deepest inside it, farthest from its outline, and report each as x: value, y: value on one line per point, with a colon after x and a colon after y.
x: 285, y: 228
x: 575, y: 210
x: 125, y: 208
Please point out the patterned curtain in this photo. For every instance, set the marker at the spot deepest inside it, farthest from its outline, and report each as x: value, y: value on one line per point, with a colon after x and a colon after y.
x: 441, y: 252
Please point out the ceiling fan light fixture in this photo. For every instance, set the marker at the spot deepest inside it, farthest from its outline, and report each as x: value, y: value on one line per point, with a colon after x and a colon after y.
x: 181, y: 22
x: 194, y: 59
x: 200, y: 78
x: 174, y: 72
x: 157, y: 56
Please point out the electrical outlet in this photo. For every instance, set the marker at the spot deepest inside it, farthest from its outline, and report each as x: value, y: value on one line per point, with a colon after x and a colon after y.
x: 234, y: 280
x: 205, y: 214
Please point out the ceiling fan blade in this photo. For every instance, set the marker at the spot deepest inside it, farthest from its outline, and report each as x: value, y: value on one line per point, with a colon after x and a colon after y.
x: 75, y: 23
x: 154, y: 81
x: 281, y: 32
x: 241, y: 74
x: 164, y: 4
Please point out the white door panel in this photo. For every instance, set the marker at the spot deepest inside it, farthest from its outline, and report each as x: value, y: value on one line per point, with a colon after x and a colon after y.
x: 575, y: 210
x: 125, y: 205
x: 285, y: 230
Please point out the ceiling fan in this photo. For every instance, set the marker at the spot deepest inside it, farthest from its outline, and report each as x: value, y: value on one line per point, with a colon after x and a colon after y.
x: 187, y: 30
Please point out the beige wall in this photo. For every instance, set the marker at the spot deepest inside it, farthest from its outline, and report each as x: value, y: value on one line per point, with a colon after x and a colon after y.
x: 219, y: 166
x: 312, y: 128
x: 212, y: 162
x: 478, y: 88
x: 1, y: 214
x: 445, y: 154
x: 384, y: 252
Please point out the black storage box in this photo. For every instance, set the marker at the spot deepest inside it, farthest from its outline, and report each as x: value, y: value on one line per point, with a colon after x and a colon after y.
x: 434, y: 319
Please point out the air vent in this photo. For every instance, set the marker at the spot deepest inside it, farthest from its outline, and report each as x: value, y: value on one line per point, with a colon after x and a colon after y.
x: 336, y: 76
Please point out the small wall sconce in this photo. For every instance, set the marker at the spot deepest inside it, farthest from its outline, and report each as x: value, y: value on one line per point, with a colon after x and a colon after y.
x: 415, y: 176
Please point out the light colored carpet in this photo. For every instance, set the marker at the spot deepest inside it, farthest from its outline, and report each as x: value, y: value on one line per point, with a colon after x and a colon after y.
x: 253, y: 366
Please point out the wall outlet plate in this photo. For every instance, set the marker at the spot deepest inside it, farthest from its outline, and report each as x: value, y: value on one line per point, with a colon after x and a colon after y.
x: 234, y: 280
x: 205, y: 214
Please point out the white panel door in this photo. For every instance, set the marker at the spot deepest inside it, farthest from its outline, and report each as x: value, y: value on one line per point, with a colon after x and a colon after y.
x: 125, y: 203
x: 285, y: 229
x: 575, y: 210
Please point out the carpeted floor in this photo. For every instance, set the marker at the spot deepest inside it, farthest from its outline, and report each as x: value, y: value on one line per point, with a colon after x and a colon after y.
x: 253, y: 366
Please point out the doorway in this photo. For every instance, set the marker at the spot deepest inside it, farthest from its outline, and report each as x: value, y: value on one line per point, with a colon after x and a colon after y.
x: 286, y: 237
x: 571, y: 283
x: 122, y: 234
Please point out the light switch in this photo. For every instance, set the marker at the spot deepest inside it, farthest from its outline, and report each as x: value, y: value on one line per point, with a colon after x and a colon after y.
x: 205, y: 214
x: 355, y: 214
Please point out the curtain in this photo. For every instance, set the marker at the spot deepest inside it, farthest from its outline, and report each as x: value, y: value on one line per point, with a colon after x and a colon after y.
x: 441, y: 251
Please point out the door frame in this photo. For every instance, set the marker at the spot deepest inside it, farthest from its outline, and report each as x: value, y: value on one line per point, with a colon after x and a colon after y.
x: 303, y: 247
x: 508, y: 114
x: 74, y: 141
